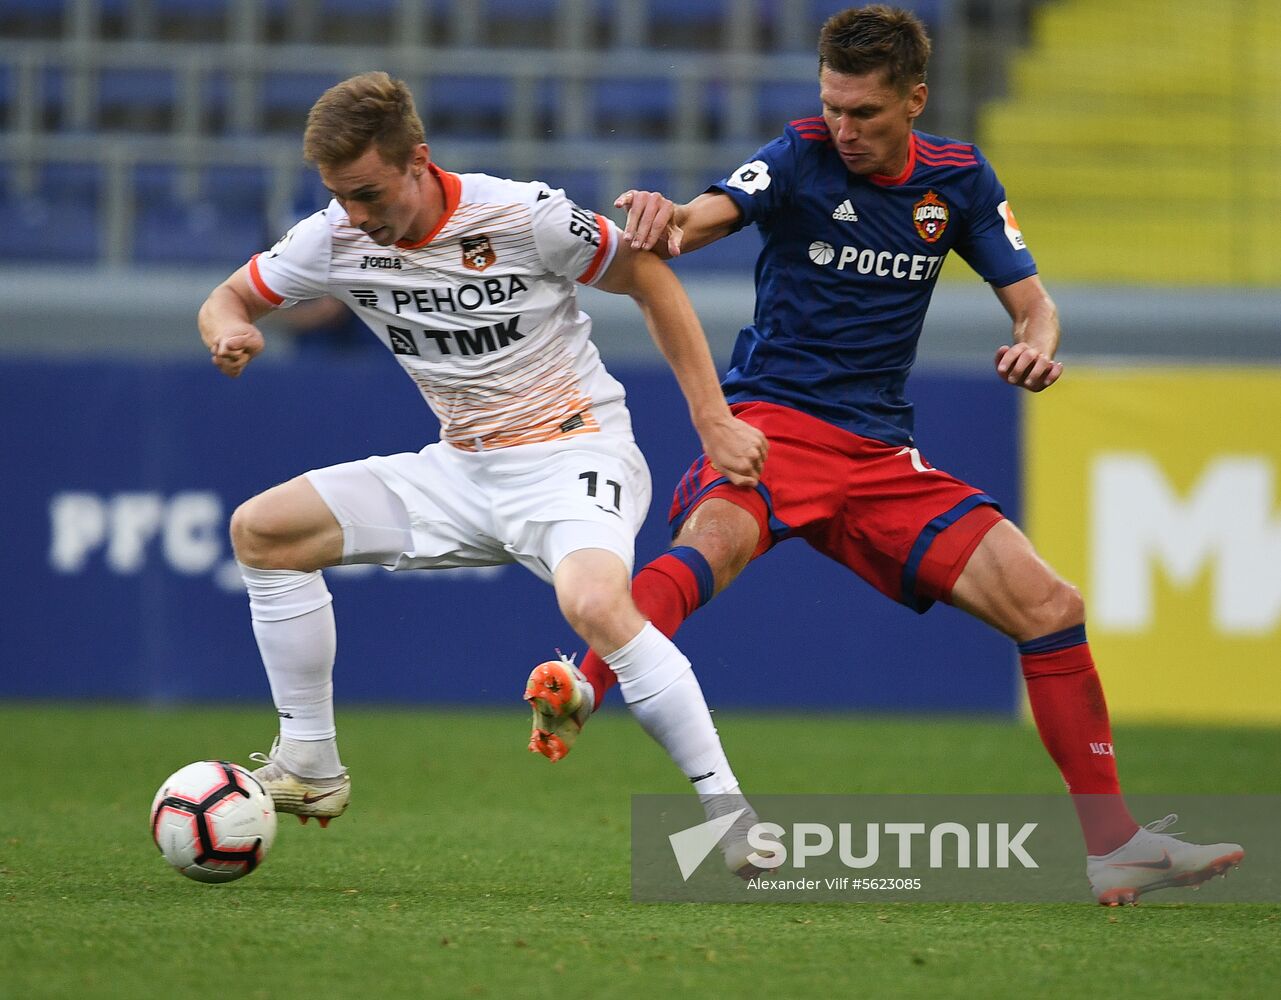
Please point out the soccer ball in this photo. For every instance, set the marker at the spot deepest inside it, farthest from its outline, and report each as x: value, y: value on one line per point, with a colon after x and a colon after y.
x: 213, y: 821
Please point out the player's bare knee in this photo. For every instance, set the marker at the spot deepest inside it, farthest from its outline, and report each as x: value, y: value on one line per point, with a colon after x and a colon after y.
x: 1071, y: 606
x: 588, y: 609
x: 602, y: 618
x: 726, y: 542
x: 255, y: 538
x: 1060, y: 607
x: 732, y: 554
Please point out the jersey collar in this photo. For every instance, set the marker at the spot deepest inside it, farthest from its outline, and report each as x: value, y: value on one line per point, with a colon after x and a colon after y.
x: 453, y: 188
x: 885, y: 181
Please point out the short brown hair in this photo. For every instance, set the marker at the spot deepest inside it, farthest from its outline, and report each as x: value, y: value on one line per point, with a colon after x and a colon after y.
x: 349, y: 116
x: 864, y: 39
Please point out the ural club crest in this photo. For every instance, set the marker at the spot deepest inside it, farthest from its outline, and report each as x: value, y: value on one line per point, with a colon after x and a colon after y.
x: 930, y: 215
x: 477, y: 253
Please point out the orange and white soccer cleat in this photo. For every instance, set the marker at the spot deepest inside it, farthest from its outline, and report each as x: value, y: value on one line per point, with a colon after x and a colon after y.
x: 1154, y: 860
x: 561, y: 701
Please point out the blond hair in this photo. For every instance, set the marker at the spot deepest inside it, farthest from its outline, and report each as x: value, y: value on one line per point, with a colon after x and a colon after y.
x: 369, y: 109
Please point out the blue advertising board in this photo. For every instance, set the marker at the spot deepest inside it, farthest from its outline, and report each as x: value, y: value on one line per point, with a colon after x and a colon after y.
x: 118, y: 581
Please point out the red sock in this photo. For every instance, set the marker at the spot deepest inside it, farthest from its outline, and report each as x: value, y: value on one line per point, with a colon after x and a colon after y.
x: 1072, y: 718
x: 667, y: 591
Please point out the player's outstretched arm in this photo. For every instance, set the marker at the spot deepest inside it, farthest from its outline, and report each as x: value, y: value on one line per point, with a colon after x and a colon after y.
x: 735, y: 448
x: 226, y: 323
x: 656, y: 223
x: 1029, y: 362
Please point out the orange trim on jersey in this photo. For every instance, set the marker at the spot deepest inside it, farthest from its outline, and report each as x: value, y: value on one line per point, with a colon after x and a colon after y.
x: 605, y: 236
x: 883, y: 181
x: 452, y: 186
x: 547, y: 431
x: 260, y: 286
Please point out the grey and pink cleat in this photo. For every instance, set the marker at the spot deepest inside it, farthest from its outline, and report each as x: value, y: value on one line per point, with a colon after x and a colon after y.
x: 1153, y: 860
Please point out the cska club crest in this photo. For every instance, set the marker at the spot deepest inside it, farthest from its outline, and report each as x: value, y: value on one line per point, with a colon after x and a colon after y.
x: 930, y: 215
x: 477, y: 253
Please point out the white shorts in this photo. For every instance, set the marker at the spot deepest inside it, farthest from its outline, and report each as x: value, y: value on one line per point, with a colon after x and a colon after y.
x: 532, y: 504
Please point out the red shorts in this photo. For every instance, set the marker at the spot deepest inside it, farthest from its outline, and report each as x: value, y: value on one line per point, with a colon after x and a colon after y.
x: 904, y: 527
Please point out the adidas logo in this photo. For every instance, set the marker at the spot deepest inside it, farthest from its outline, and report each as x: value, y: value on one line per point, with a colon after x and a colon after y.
x: 845, y: 212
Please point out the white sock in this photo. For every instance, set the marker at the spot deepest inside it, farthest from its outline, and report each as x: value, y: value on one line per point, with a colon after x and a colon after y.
x: 662, y: 693
x: 293, y: 621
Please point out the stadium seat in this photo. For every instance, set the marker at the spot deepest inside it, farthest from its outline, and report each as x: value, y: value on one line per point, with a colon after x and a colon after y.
x: 8, y: 95
x: 50, y: 111
x: 41, y: 228
x: 310, y: 195
x: 155, y: 182
x: 518, y: 23
x: 687, y: 24
x: 341, y: 22
x: 215, y: 103
x: 32, y: 18
x: 633, y: 108
x: 779, y: 102
x: 71, y: 183
x: 136, y: 99
x: 286, y: 97
x: 242, y: 188
x: 193, y: 20
x: 173, y: 232
x: 468, y: 106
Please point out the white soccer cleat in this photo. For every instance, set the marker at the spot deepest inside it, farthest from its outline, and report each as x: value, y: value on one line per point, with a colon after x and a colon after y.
x: 1154, y: 860
x: 561, y: 700
x: 324, y: 798
x: 733, y: 844
x: 736, y: 850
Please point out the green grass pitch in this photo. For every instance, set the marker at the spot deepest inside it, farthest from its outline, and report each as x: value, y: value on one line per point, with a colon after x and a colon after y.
x: 468, y: 867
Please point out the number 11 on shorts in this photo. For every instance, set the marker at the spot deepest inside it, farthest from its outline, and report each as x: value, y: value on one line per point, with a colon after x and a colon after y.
x: 592, y: 481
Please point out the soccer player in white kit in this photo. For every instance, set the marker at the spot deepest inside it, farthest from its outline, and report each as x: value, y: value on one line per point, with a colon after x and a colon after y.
x: 469, y: 281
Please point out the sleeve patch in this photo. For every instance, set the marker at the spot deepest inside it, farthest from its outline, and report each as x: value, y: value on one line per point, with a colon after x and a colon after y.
x: 750, y: 177
x: 1012, y: 231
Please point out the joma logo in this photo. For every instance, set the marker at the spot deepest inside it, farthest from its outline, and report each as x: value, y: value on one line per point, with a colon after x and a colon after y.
x: 390, y: 263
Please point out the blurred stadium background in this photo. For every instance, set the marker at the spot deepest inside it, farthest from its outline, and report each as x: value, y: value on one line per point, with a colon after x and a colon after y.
x: 149, y: 147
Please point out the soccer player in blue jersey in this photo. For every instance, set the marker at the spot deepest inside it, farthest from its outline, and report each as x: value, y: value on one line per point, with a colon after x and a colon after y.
x: 857, y: 211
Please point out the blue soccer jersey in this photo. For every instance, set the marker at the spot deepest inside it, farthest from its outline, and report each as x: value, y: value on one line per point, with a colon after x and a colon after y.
x: 847, y: 267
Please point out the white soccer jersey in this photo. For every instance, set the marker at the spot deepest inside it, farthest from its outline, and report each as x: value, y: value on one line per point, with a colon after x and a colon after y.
x: 481, y: 314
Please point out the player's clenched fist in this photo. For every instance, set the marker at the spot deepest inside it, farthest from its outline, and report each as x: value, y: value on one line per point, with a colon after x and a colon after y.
x: 1023, y: 365
x: 233, y: 350
x: 650, y: 217
x: 736, y: 449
